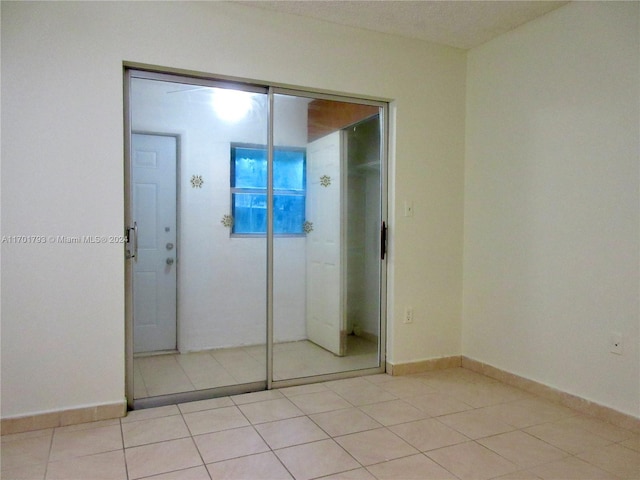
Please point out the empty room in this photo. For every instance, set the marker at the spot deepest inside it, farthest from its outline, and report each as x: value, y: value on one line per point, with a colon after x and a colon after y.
x: 320, y: 240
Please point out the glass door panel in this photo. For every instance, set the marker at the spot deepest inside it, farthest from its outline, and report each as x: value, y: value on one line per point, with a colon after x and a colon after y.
x: 216, y: 305
x: 327, y: 265
x: 209, y: 234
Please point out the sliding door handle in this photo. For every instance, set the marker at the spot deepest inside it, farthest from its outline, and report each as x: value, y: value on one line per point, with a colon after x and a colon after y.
x: 132, y: 241
x: 383, y: 240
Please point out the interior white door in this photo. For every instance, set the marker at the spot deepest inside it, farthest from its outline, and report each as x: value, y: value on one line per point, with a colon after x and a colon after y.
x: 153, y: 181
x: 325, y: 305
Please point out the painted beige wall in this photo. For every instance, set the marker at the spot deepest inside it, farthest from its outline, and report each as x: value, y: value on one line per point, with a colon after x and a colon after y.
x: 551, y: 202
x: 62, y: 171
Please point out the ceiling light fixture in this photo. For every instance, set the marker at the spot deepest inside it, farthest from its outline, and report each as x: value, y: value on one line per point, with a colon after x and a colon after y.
x: 231, y: 105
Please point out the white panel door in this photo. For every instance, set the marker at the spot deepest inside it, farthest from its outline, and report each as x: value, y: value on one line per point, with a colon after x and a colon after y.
x: 325, y: 309
x: 153, y: 181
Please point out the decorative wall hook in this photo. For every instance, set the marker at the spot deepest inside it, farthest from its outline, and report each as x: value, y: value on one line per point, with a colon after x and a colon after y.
x: 227, y: 221
x: 196, y: 181
x: 325, y: 180
x: 307, y: 227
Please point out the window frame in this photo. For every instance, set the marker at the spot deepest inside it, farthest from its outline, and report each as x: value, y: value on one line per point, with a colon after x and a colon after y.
x: 233, y: 146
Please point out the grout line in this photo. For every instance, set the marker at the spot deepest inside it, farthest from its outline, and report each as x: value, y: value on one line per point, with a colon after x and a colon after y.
x: 46, y: 467
x: 124, y: 450
x: 571, y: 413
x: 271, y: 450
x: 193, y: 441
x: 175, y: 357
x: 144, y: 384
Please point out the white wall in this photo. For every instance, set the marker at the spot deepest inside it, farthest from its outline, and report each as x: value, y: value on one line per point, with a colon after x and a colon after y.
x: 551, y: 202
x: 62, y: 171
x: 222, y: 279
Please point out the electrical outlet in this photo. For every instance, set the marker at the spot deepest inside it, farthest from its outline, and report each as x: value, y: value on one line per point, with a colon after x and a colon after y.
x: 615, y: 343
x: 408, y: 315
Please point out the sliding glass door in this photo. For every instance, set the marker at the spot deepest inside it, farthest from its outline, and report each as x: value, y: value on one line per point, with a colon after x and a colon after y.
x: 192, y: 275
x: 255, y: 255
x: 327, y: 267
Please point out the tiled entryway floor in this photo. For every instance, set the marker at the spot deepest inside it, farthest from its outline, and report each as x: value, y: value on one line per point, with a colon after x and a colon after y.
x: 186, y: 372
x: 449, y: 424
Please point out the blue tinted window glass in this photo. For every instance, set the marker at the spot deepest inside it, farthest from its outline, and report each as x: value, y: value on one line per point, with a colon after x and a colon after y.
x: 249, y: 213
x: 249, y: 172
x: 288, y: 170
x: 288, y: 213
x: 250, y: 168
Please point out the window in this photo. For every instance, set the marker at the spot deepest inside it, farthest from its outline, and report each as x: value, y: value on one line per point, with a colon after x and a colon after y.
x: 249, y: 190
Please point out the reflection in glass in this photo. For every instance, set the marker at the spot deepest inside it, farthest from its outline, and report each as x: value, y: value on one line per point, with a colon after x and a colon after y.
x: 220, y: 315
x: 249, y: 187
x: 327, y: 211
x: 333, y: 323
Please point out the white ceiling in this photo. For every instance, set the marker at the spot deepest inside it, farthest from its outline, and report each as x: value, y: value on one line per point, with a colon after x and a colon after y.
x: 457, y: 23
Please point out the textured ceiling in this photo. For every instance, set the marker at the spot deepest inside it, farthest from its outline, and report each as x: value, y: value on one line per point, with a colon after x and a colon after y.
x: 461, y: 24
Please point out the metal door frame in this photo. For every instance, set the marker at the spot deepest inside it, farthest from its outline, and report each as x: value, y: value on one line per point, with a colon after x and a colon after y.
x: 134, y: 70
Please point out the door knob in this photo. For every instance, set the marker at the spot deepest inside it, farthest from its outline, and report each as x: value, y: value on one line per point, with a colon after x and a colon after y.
x: 169, y: 246
x: 169, y: 261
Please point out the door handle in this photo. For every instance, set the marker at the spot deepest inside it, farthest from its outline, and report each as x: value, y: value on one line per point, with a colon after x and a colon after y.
x: 169, y: 261
x: 383, y: 240
x: 132, y: 241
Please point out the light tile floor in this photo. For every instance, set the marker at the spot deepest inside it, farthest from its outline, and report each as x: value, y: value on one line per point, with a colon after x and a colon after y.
x: 449, y: 424
x: 174, y: 373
